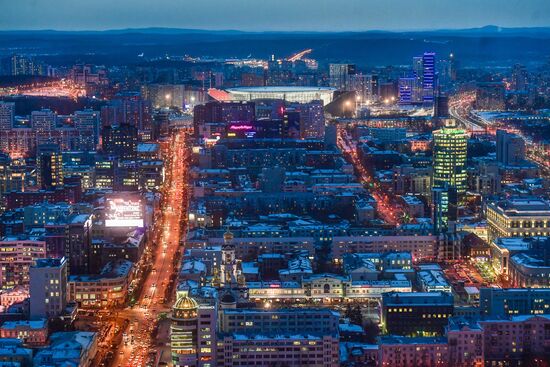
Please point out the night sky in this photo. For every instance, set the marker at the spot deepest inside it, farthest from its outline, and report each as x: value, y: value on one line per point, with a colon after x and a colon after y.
x: 262, y: 15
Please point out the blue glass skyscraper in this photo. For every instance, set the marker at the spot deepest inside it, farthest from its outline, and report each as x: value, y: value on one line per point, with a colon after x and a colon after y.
x: 428, y: 77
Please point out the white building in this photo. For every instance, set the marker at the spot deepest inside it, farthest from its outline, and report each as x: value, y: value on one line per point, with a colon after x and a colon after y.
x: 287, y: 93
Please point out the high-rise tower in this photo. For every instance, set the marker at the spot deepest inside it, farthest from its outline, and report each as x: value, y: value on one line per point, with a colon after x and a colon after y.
x: 449, y: 159
x: 428, y: 76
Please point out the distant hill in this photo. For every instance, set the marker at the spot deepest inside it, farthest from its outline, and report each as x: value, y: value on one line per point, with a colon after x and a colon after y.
x: 476, y: 46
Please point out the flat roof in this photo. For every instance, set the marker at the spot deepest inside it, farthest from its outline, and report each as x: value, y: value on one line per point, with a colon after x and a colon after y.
x: 522, y: 206
x: 49, y: 263
x: 280, y: 89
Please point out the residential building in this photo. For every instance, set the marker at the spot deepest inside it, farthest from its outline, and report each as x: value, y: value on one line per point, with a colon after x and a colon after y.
x: 48, y: 288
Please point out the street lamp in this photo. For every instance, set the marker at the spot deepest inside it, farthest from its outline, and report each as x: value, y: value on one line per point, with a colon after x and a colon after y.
x: 344, y: 106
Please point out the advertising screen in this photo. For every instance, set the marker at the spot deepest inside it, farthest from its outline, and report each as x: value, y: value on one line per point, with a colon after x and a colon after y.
x: 124, y: 212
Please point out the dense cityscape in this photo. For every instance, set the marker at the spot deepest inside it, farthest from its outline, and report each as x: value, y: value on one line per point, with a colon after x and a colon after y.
x: 276, y: 209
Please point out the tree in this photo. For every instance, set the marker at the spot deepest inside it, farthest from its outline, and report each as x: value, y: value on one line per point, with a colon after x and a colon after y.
x: 371, y: 331
x: 357, y: 316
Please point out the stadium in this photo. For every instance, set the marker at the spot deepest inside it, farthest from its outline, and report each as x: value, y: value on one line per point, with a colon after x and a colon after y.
x: 290, y: 94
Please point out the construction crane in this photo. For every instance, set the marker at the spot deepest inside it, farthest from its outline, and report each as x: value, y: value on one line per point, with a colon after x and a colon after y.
x: 299, y: 55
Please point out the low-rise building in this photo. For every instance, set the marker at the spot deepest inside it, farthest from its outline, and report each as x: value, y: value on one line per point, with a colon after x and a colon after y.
x: 12, y: 351
x: 77, y: 348
x: 192, y: 270
x: 413, y: 206
x: 32, y: 333
x: 421, y: 247
x: 249, y: 248
x: 515, y: 217
x: 497, y: 302
x: 431, y: 278
x: 503, y: 248
x: 14, y: 295
x: 511, y: 341
x: 399, y: 351
x: 339, y: 289
x: 353, y: 353
x: 107, y: 289
x: 417, y: 313
x: 293, y: 350
x: 465, y: 341
x: 530, y: 269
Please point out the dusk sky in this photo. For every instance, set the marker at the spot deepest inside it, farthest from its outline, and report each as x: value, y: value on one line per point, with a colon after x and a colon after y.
x: 260, y: 15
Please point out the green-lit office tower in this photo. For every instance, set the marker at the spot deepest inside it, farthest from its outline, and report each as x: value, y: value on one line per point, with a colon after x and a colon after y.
x: 449, y: 159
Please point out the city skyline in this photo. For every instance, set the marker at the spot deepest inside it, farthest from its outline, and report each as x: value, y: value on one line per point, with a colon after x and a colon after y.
x: 285, y: 15
x: 301, y: 192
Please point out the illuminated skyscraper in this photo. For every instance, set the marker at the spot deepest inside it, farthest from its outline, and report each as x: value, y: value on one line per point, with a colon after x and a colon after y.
x: 7, y: 112
x: 449, y: 159
x: 49, y: 163
x: 120, y: 140
x: 406, y: 88
x: 428, y: 76
x: 43, y: 120
x: 340, y: 75
x: 444, y: 207
x: 365, y: 86
x: 418, y: 73
x: 312, y: 119
x: 87, y: 122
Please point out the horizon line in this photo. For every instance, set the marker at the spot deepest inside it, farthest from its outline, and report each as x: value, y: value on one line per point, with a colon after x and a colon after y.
x: 487, y: 26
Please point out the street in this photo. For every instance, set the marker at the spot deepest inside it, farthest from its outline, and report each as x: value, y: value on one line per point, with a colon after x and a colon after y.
x: 387, y: 211
x: 137, y: 346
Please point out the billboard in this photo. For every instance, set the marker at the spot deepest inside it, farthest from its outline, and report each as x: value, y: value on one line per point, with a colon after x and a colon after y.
x: 241, y: 130
x: 123, y: 212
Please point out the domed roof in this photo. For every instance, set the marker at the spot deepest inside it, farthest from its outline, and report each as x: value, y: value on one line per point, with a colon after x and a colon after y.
x: 228, y: 298
x: 184, y: 302
x: 228, y: 236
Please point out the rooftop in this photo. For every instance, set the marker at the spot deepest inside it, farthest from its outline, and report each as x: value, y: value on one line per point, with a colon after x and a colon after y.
x: 36, y: 324
x: 417, y: 298
x: 49, y: 263
x: 523, y: 206
x: 395, y: 339
x: 275, y: 337
x: 147, y: 147
x: 280, y: 89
